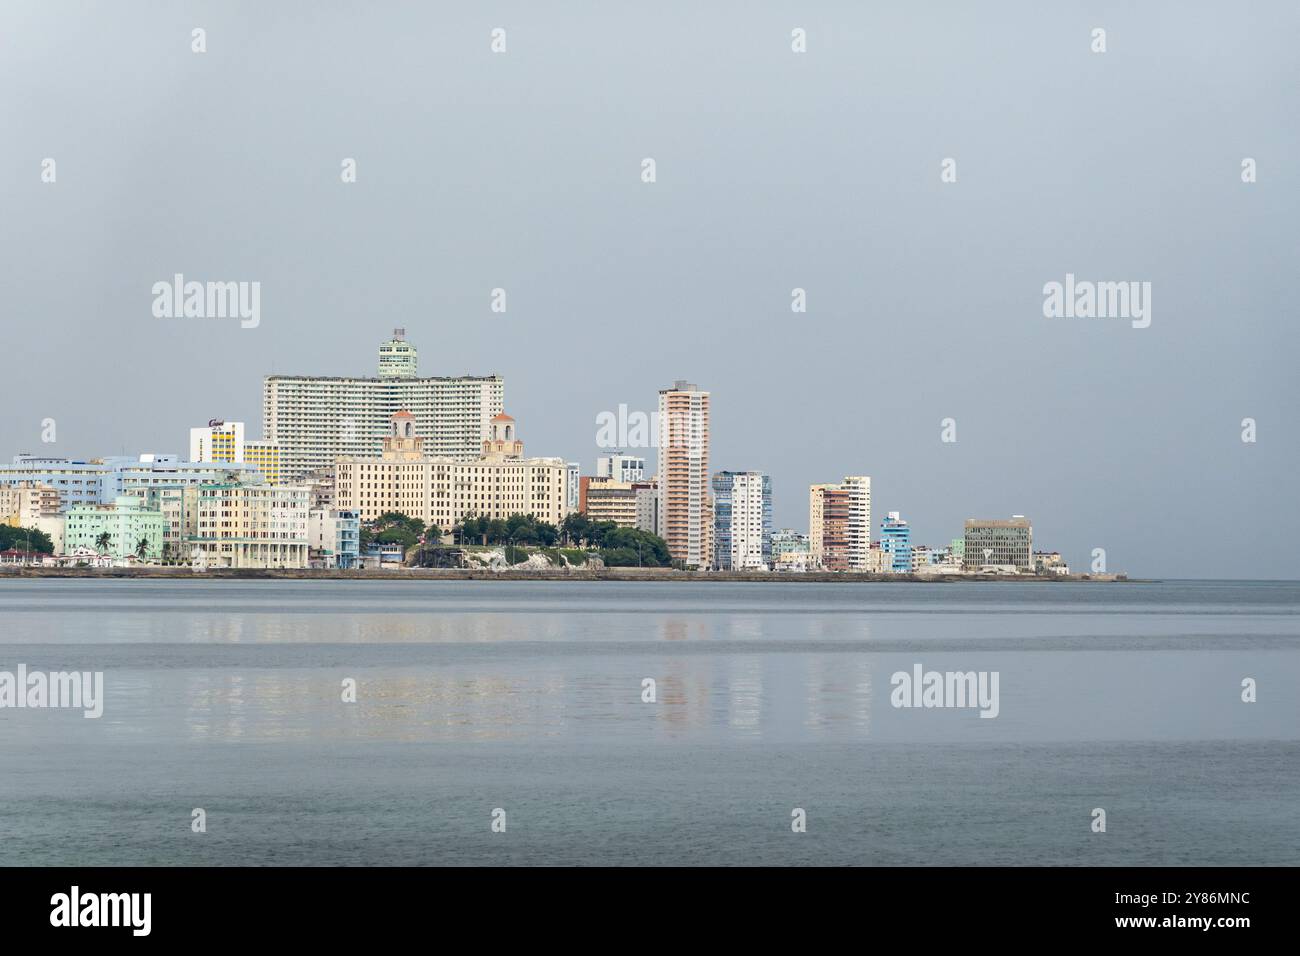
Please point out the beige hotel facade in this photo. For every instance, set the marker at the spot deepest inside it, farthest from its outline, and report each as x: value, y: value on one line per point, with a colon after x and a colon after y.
x: 444, y: 491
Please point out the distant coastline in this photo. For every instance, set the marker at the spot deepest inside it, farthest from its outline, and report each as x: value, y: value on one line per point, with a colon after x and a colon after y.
x: 574, y: 574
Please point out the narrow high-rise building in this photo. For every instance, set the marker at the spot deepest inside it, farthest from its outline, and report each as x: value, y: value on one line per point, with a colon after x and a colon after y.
x: 685, y: 508
x: 828, y: 520
x: 858, y: 527
x: 839, y: 524
x: 398, y: 358
x: 896, y: 540
x: 742, y: 521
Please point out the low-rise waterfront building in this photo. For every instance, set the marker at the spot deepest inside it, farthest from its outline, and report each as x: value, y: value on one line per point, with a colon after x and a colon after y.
x: 605, y: 499
x: 124, y: 528
x: 334, y: 538
x: 995, y: 543
x: 789, y: 541
x: 245, y: 525
x: 1050, y: 562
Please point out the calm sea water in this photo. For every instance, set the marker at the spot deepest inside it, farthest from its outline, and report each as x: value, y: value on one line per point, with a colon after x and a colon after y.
x: 527, y: 697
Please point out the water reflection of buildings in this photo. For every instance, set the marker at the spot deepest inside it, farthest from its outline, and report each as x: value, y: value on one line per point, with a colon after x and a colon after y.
x: 474, y: 676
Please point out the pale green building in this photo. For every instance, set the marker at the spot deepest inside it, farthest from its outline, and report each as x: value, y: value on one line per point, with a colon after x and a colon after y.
x: 126, y: 522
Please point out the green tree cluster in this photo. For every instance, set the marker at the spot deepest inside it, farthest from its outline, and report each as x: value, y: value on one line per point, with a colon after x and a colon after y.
x: 17, y: 539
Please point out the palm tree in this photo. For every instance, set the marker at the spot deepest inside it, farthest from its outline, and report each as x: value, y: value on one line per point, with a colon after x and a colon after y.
x: 142, y: 548
x: 103, y: 541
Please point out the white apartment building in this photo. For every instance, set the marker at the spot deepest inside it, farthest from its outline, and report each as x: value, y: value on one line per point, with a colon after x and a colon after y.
x: 572, y: 485
x: 443, y: 491
x: 315, y: 419
x: 621, y: 467
x: 858, y: 527
x: 102, y: 480
x: 647, y: 505
x: 742, y: 533
x: 217, y: 441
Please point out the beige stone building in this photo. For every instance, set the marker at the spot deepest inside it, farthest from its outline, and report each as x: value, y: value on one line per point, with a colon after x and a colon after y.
x: 250, y: 526
x: 444, y: 491
x: 605, y: 499
x: 828, y: 520
x: 22, y: 504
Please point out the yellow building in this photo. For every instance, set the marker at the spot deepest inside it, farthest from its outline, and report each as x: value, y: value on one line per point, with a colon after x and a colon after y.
x: 221, y: 441
x: 265, y: 457
x: 444, y: 491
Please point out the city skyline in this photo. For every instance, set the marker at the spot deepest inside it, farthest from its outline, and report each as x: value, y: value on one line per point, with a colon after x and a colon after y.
x: 924, y: 298
x: 319, y: 420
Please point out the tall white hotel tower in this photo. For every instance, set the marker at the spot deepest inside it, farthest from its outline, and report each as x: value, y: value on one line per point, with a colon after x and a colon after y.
x: 316, y: 420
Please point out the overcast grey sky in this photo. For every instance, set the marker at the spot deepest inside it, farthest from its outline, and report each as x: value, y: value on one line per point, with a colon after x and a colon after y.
x: 775, y: 170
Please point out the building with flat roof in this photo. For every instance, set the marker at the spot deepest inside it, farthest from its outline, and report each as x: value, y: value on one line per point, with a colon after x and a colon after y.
x: 101, y: 480
x: 605, y: 499
x: 128, y: 527
x: 997, y: 543
x: 828, y: 524
x: 621, y: 467
x: 334, y: 538
x: 241, y: 525
x: 896, y: 540
x: 25, y: 501
x: 742, y: 521
x: 317, y: 419
x: 224, y: 442
x: 685, y: 506
x: 839, y: 524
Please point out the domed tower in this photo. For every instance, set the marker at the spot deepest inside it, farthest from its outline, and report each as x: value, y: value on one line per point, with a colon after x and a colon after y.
x: 503, y: 439
x: 401, y: 441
